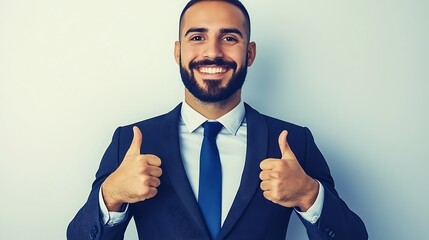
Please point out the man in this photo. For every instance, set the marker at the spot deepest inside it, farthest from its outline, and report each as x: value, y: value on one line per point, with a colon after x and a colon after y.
x: 213, y: 167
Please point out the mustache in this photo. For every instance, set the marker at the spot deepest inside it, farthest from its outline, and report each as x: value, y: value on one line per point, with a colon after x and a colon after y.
x: 216, y: 61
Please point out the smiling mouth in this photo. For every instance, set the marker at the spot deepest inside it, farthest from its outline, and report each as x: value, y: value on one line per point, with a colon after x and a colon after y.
x: 212, y: 69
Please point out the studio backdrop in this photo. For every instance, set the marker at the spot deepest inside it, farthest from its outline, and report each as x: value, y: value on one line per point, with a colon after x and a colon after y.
x: 354, y: 72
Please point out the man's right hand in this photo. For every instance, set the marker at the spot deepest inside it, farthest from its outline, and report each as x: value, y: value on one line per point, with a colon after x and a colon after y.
x: 135, y: 180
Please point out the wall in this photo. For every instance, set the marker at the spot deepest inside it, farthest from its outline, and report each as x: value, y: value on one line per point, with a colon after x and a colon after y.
x: 355, y: 72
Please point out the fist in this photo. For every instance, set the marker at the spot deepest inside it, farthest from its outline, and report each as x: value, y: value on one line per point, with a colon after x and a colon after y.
x: 135, y: 180
x: 284, y: 182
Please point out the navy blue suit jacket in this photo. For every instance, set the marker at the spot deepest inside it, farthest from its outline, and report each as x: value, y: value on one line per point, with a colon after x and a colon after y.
x: 174, y: 213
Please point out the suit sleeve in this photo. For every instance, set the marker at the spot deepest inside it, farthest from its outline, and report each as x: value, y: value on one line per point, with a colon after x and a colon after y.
x: 337, y: 221
x: 87, y: 224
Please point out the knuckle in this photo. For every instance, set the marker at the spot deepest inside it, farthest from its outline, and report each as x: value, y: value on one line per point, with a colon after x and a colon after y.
x: 262, y: 175
x: 153, y: 159
x: 158, y: 160
x: 262, y: 185
x: 156, y: 182
x: 275, y: 197
x: 144, y: 168
x: 151, y: 193
x: 265, y: 164
x: 267, y: 195
x: 286, y: 145
x: 156, y: 172
x: 282, y: 164
x: 144, y: 180
x: 143, y: 192
x: 154, y: 192
x: 276, y: 174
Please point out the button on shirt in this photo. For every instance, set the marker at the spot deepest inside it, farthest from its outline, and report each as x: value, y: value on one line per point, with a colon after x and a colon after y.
x: 232, y: 143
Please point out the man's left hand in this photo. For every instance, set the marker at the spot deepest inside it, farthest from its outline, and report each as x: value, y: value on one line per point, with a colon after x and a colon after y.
x: 284, y: 181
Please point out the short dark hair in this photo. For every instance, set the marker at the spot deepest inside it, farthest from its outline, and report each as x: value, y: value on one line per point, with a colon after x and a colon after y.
x: 236, y: 3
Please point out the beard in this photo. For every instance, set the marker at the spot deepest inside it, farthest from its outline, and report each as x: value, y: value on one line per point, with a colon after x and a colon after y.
x: 214, y: 92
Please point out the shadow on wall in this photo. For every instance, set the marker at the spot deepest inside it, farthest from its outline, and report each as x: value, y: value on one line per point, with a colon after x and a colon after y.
x: 267, y: 79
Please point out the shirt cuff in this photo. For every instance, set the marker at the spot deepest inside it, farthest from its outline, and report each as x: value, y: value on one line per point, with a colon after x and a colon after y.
x: 314, y: 212
x: 110, y: 219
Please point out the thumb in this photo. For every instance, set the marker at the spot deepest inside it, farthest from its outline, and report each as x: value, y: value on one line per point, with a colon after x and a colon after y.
x: 136, y: 143
x: 284, y: 146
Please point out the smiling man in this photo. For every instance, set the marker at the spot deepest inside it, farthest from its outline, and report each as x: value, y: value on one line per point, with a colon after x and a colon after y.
x: 213, y: 167
x: 214, y: 52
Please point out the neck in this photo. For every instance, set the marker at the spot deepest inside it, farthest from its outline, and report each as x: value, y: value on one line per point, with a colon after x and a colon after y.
x: 213, y: 110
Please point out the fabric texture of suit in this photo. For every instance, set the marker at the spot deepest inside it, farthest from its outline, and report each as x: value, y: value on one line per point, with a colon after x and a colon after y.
x: 174, y: 212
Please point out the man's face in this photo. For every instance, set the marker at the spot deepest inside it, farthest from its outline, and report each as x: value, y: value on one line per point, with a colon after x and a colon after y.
x: 214, y: 50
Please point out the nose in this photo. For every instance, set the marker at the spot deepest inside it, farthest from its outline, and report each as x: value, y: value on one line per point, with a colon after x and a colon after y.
x: 213, y: 50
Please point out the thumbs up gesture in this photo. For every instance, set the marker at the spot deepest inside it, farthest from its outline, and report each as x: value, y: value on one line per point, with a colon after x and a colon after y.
x: 135, y: 180
x: 284, y: 182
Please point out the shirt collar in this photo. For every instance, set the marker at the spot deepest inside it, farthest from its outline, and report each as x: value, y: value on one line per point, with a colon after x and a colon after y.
x: 231, y: 120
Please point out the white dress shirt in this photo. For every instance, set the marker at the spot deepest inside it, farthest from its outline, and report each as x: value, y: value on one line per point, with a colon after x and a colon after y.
x: 232, y: 143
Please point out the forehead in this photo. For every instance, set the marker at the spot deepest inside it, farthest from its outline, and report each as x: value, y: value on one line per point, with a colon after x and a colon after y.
x: 213, y: 15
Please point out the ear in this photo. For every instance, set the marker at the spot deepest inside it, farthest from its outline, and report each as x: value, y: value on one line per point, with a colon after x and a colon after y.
x: 251, y: 53
x: 177, y: 52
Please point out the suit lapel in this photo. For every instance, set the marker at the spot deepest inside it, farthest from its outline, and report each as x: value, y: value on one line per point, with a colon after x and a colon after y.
x: 173, y: 166
x: 257, y: 147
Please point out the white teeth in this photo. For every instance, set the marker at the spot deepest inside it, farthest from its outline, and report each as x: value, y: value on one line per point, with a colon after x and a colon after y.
x: 211, y: 70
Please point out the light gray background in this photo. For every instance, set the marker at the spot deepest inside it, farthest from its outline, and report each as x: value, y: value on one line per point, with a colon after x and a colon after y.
x: 355, y: 72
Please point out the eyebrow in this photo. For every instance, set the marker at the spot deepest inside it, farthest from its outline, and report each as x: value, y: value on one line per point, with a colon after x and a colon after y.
x: 222, y: 30
x: 199, y: 30
x: 231, y: 30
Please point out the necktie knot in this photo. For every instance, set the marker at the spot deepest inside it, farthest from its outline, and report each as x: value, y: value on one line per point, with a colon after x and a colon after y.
x: 211, y: 129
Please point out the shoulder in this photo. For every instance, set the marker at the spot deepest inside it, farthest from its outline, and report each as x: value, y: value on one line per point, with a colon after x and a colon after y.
x: 152, y: 128
x: 157, y: 122
x: 298, y: 137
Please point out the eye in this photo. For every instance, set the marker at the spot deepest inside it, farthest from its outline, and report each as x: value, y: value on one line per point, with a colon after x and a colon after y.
x: 230, y: 39
x: 197, y: 38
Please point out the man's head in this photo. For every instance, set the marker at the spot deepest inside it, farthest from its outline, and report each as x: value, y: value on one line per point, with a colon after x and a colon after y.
x: 214, y: 48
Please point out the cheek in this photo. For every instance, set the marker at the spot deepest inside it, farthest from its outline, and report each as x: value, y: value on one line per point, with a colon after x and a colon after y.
x: 237, y: 55
x: 189, y: 54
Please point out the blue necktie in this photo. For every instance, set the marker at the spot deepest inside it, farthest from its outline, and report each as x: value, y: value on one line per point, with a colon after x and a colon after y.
x: 210, y: 183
